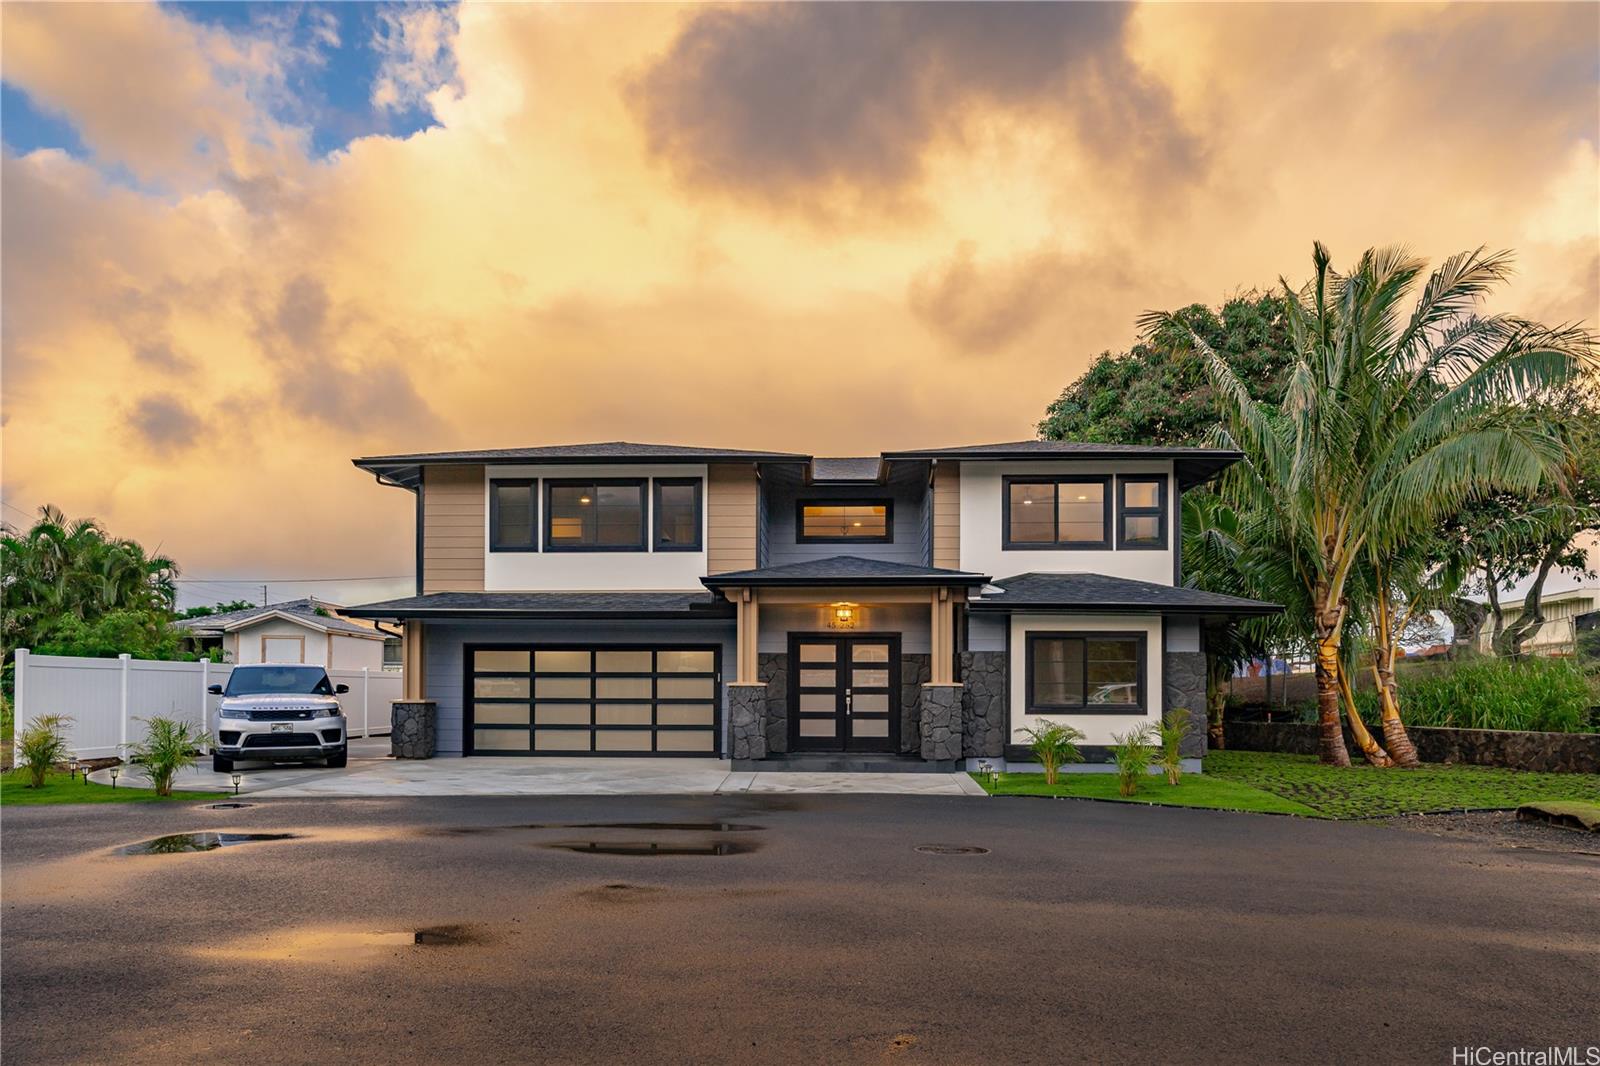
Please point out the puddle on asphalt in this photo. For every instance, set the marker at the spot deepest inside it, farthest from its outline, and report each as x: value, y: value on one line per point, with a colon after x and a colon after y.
x: 650, y: 827
x: 951, y: 849
x: 225, y: 806
x: 178, y: 843
x: 650, y: 847
x: 341, y: 946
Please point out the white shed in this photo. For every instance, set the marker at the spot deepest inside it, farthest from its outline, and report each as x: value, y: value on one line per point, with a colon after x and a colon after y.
x: 298, y: 631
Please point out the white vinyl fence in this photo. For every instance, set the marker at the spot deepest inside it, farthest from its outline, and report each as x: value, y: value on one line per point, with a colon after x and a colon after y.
x: 106, y: 698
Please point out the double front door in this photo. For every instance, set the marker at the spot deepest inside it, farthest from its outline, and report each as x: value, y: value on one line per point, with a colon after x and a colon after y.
x: 844, y: 692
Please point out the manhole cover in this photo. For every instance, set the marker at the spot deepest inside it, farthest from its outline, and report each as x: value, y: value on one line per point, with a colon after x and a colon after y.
x: 225, y: 806
x: 951, y: 849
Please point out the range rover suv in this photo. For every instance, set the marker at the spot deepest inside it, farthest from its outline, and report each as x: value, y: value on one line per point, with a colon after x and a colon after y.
x: 278, y: 712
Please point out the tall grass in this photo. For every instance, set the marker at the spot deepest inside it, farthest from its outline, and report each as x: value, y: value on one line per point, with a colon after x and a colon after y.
x: 1546, y: 695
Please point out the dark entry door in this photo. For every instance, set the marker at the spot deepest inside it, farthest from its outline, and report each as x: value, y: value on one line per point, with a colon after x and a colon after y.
x: 844, y: 692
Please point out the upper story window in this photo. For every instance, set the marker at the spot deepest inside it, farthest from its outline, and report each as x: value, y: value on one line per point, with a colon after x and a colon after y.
x: 1055, y: 513
x: 677, y: 509
x: 1142, y: 513
x: 513, y: 515
x: 594, y: 515
x: 1082, y: 673
x: 845, y: 521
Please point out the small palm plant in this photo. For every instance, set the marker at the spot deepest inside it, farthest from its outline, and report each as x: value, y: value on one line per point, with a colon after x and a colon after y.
x: 1173, y: 730
x: 41, y: 746
x: 168, y: 746
x: 1053, y: 744
x: 1132, y: 752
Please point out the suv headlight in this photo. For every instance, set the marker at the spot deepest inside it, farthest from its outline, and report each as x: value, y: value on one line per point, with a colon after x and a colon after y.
x: 233, y: 712
x: 330, y: 712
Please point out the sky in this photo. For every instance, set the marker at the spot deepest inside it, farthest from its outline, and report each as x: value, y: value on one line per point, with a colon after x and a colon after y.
x: 241, y: 245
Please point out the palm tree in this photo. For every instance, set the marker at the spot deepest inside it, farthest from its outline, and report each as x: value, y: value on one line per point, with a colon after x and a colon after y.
x: 1389, y: 421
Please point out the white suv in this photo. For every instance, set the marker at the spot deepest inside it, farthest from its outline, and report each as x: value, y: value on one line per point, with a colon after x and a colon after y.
x: 279, y: 712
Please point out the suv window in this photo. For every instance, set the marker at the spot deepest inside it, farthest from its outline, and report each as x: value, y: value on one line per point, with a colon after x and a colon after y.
x: 279, y: 681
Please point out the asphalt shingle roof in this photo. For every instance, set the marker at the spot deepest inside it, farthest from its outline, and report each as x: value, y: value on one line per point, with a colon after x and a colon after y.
x: 845, y: 570
x: 605, y: 451
x: 306, y: 608
x: 1101, y: 592
x: 546, y: 604
x: 1194, y: 466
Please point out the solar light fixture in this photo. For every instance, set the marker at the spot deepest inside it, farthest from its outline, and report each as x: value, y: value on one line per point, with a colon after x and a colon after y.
x: 235, y: 778
x: 116, y: 772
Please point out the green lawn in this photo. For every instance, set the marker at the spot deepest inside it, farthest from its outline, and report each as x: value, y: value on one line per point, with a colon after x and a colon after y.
x: 1193, y: 790
x: 1298, y: 784
x: 59, y: 788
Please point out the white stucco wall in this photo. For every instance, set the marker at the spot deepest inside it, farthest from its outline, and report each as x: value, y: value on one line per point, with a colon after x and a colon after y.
x: 982, y: 504
x: 1096, y: 728
x: 594, y: 571
x: 249, y: 643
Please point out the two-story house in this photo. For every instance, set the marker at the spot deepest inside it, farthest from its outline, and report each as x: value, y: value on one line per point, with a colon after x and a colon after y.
x: 916, y: 607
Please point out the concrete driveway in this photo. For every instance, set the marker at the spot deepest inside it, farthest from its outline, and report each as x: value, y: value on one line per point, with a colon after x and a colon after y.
x: 372, y: 773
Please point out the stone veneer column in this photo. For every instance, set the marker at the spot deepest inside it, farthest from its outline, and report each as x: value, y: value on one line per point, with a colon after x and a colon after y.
x: 940, y: 722
x: 747, y: 719
x: 983, y: 704
x: 414, y: 729
x: 1183, y: 684
x: 773, y: 668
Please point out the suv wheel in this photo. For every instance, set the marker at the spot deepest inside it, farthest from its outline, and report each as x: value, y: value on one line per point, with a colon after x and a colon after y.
x: 337, y: 762
x: 221, y: 764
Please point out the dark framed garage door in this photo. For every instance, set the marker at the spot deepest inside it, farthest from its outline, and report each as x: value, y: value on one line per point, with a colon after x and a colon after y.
x: 583, y: 699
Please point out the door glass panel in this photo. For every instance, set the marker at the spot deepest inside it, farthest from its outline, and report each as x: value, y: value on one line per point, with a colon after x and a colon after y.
x: 561, y: 714
x: 816, y: 727
x: 622, y: 688
x: 561, y: 739
x: 509, y: 662
x: 818, y: 653
x: 684, y: 714
x: 506, y: 687
x: 685, y: 688
x: 500, y: 713
x: 870, y: 653
x: 818, y: 678
x: 622, y: 740
x: 685, y: 662
x: 686, y: 740
x: 870, y: 678
x: 546, y: 687
x: 622, y: 714
x: 500, y: 739
x: 869, y: 727
x: 817, y: 701
x: 870, y: 702
x: 561, y: 662
x: 622, y: 662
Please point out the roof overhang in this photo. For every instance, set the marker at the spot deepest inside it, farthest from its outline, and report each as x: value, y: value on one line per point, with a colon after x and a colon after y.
x: 1193, y: 466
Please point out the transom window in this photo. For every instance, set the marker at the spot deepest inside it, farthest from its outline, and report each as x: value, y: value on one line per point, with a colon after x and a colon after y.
x: 1086, y: 673
x: 513, y: 515
x: 822, y: 521
x: 1142, y: 513
x: 594, y: 515
x: 1056, y: 513
x: 677, y: 507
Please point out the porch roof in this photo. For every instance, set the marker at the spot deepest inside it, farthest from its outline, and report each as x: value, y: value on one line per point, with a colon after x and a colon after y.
x: 1100, y: 592
x: 843, y: 570
x: 548, y: 605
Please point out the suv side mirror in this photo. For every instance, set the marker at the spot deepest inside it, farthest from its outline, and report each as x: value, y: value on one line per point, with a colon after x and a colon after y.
x: 215, y: 690
x: 340, y: 690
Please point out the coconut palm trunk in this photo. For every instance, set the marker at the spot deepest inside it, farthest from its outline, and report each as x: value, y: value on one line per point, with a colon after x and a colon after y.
x: 1386, y: 640
x: 1330, y: 742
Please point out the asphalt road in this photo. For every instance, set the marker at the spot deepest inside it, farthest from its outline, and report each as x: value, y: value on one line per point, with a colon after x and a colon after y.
x: 1087, y: 932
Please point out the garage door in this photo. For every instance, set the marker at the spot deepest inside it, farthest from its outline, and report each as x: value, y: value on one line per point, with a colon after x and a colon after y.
x: 582, y: 700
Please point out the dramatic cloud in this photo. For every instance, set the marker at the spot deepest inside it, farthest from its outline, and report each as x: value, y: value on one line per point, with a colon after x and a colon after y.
x: 608, y: 233
x: 781, y: 103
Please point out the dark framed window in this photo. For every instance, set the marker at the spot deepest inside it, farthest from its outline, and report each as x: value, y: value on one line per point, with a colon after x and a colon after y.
x: 1056, y: 513
x: 1142, y: 513
x: 1086, y: 673
x: 844, y: 521
x: 677, y: 507
x: 513, y: 515
x: 594, y: 515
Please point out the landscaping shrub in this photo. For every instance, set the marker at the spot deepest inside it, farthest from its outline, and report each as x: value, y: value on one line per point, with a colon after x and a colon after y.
x: 1542, y: 694
x: 168, y: 746
x: 1132, y: 753
x: 1053, y: 744
x: 41, y: 746
x: 1173, y: 729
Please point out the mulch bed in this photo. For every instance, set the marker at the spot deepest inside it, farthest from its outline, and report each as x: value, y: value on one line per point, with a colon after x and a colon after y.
x: 1499, y: 827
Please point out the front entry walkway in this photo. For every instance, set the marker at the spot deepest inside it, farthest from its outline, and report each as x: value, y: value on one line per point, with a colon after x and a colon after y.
x: 371, y: 773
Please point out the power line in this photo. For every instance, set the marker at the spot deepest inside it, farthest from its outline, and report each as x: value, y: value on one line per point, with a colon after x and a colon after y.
x: 290, y: 580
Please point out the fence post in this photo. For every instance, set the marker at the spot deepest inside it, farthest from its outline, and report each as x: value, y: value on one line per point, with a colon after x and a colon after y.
x: 366, y: 693
x: 127, y: 668
x: 205, y: 697
x: 18, y: 687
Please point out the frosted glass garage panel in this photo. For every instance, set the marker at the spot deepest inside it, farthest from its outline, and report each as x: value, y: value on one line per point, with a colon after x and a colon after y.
x: 561, y: 662
x: 686, y: 740
x: 622, y: 662
x: 561, y: 740
x: 562, y: 688
x: 685, y: 688
x: 500, y: 714
x: 561, y: 714
x: 496, y: 661
x: 622, y: 688
x: 686, y: 662
x: 500, y: 739
x: 514, y: 688
x: 622, y: 740
x: 686, y: 714
x: 622, y: 714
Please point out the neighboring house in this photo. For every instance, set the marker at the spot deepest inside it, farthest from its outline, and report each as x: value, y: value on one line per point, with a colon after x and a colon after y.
x: 298, y: 631
x: 900, y: 609
x: 1558, y: 634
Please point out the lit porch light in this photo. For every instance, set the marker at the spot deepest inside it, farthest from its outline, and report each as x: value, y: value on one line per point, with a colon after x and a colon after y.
x: 843, y: 616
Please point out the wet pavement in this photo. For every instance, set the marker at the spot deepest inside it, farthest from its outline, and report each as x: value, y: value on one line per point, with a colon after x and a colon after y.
x: 834, y: 929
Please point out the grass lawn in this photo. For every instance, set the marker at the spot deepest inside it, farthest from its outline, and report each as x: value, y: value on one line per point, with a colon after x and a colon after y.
x: 1363, y: 791
x: 59, y: 788
x: 1192, y: 790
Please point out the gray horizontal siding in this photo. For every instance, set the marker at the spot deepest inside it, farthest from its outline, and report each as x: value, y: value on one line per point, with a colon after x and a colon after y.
x: 912, y: 621
x: 446, y: 667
